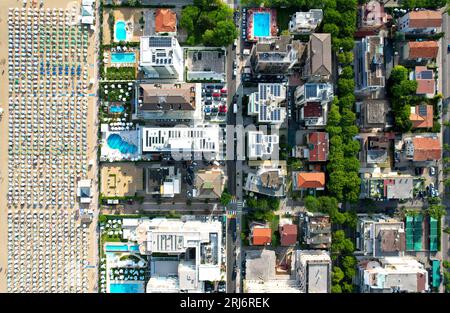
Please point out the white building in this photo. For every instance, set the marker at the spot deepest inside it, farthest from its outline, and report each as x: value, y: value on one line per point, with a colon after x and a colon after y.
x: 305, y: 22
x: 87, y: 12
x: 260, y: 145
x: 202, y: 138
x: 161, y: 57
x: 392, y: 274
x: 313, y: 100
x: 189, y: 252
x: 369, y: 65
x: 266, y: 103
x: 314, y: 271
x: 420, y: 22
x: 380, y: 235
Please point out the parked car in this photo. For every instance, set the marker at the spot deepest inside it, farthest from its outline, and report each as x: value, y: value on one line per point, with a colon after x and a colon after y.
x: 432, y: 171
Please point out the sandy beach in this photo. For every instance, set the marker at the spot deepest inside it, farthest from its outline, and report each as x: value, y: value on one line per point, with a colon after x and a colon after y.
x: 32, y: 220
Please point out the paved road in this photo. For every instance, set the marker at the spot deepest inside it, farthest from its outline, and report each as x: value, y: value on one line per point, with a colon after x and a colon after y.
x: 445, y: 72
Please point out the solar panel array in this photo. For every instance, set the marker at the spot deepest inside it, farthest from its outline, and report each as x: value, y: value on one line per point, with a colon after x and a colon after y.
x: 422, y: 110
x: 426, y: 75
x: 160, y: 42
x: 269, y: 89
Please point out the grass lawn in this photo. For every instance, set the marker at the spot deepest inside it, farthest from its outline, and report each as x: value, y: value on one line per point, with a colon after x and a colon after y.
x: 275, y: 233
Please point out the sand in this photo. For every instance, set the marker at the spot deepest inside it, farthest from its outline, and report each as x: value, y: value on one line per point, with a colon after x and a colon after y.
x: 91, y: 137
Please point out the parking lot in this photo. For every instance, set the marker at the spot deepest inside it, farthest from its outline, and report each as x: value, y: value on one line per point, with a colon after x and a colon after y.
x: 214, y: 98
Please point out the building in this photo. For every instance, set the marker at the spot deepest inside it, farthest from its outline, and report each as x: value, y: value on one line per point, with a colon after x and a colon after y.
x: 308, y: 180
x: 175, y: 103
x: 380, y: 236
x: 377, y: 149
x: 265, y: 275
x: 313, y: 269
x: 426, y: 84
x: 420, y: 50
x: 392, y: 274
x: 288, y: 234
x: 161, y: 57
x: 421, y: 116
x: 305, y: 22
x: 389, y: 186
x: 420, y: 22
x: 84, y: 191
x: 371, y: 16
x: 313, y: 100
x: 275, y: 56
x: 315, y: 230
x: 164, y: 181
x: 317, y: 147
x: 260, y: 145
x: 184, y: 253
x: 423, y: 149
x: 370, y: 72
x: 373, y: 114
x: 260, y: 235
x: 209, y: 183
x: 267, y: 181
x: 165, y: 21
x: 318, y: 60
x: 268, y: 104
x: 198, y: 139
x: 87, y: 13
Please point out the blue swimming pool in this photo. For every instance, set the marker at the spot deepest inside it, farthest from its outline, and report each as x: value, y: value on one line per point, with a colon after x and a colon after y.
x: 126, y: 287
x: 114, y: 141
x: 123, y: 57
x: 121, y: 248
x: 116, y: 109
x: 261, y: 24
x: 121, y: 32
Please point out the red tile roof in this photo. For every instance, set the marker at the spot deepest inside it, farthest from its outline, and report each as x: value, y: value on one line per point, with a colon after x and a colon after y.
x: 425, y: 84
x: 312, y: 109
x: 427, y: 149
x: 424, y: 120
x: 288, y: 234
x: 310, y: 179
x: 319, y: 144
x: 261, y: 236
x: 165, y: 21
x: 423, y: 49
x: 425, y: 19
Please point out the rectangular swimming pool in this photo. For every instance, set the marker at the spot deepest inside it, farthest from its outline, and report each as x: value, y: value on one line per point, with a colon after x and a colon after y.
x: 261, y: 24
x: 123, y: 57
x: 126, y: 287
x: 121, y: 248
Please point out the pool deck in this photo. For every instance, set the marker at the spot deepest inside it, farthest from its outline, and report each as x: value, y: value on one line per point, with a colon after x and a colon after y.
x: 128, y: 15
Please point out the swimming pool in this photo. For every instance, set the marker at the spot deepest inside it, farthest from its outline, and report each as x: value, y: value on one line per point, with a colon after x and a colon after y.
x: 261, y: 24
x: 126, y: 287
x: 121, y: 32
x: 116, y: 109
x: 122, y: 57
x: 115, y: 141
x: 121, y: 248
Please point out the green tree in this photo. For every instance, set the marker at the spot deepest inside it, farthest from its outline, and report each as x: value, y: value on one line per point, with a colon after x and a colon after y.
x: 334, y: 117
x: 225, y: 198
x: 188, y: 19
x: 347, y: 287
x: 222, y: 35
x: 312, y: 204
x: 333, y: 29
x: 436, y: 211
x: 347, y: 72
x: 336, y: 289
x: 348, y: 117
x: 337, y: 275
x: 346, y: 86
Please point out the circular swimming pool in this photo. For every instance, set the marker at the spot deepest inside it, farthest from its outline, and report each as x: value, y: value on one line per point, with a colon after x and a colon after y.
x: 115, y: 141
